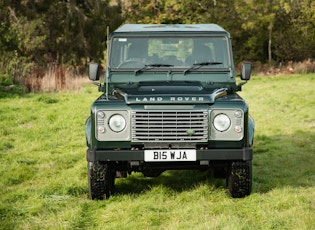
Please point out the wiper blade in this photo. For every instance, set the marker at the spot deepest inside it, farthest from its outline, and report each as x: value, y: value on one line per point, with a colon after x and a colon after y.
x: 150, y: 66
x: 199, y: 65
x: 160, y: 65
x: 207, y: 63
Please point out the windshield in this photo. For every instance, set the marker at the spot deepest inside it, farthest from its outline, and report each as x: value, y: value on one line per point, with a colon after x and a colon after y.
x: 158, y: 52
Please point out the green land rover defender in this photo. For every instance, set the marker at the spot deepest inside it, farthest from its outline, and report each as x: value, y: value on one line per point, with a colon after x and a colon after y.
x: 169, y: 102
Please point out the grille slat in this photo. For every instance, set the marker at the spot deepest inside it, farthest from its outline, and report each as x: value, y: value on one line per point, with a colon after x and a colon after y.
x: 167, y: 130
x: 197, y: 125
x: 169, y: 126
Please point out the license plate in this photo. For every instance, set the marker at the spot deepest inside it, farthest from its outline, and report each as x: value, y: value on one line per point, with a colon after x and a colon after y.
x: 170, y: 155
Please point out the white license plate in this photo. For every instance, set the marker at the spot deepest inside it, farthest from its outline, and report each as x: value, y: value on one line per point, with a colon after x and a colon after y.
x: 170, y: 155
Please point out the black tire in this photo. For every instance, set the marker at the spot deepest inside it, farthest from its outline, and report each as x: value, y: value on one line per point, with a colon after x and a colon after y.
x: 239, y: 179
x: 101, y: 179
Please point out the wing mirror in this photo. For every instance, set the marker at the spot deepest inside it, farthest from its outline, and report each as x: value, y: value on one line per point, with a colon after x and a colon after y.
x: 94, y: 71
x: 245, y: 74
x: 246, y: 71
x: 94, y: 74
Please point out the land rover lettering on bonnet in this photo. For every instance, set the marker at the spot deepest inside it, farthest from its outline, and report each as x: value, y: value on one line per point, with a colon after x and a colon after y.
x: 186, y: 99
x: 169, y: 101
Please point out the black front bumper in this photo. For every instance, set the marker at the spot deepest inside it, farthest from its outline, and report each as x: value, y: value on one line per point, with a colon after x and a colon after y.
x: 245, y: 154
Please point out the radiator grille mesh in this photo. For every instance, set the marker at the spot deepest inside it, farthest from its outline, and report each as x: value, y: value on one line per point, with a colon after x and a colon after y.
x: 169, y: 126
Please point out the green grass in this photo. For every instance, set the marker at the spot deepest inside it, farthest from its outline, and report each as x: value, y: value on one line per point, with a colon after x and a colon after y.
x: 43, y: 183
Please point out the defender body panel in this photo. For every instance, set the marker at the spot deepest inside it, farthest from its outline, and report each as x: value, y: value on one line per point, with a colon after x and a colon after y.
x: 170, y: 102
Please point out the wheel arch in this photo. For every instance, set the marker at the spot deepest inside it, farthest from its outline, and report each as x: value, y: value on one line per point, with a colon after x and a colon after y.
x: 88, y: 135
x: 251, y: 130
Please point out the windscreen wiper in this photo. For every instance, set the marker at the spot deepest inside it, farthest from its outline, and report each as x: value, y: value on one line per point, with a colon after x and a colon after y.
x: 199, y: 65
x: 151, y: 66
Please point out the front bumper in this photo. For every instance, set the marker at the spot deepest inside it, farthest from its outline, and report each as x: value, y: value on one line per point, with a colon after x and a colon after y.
x: 245, y: 154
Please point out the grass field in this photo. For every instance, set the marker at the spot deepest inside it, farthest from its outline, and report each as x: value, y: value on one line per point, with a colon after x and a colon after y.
x: 43, y: 183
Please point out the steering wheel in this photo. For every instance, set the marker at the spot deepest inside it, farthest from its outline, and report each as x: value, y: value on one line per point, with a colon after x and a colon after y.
x: 136, y: 63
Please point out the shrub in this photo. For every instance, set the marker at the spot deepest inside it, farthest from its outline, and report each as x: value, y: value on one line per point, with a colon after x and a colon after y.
x: 5, y: 80
x: 307, y: 66
x: 54, y: 78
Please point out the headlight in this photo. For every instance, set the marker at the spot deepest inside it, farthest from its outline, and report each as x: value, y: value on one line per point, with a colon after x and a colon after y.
x: 117, y: 123
x: 221, y: 122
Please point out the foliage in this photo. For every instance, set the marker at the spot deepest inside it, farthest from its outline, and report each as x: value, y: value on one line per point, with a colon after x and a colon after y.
x: 295, y: 31
x: 35, y: 33
x: 43, y: 183
x: 5, y: 80
x: 8, y: 88
x: 262, y: 31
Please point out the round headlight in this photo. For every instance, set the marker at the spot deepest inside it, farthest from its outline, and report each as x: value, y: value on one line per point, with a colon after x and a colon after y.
x: 117, y: 123
x: 221, y: 122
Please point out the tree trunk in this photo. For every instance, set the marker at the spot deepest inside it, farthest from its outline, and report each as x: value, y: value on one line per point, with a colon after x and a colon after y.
x: 269, y: 44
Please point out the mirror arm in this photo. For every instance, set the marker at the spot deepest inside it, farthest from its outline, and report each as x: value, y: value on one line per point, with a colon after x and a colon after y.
x: 239, y: 86
x: 99, y: 86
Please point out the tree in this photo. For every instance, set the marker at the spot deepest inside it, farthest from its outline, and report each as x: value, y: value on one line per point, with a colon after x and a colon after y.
x: 77, y: 29
x: 258, y: 18
x: 71, y: 32
x: 63, y: 32
x: 294, y: 39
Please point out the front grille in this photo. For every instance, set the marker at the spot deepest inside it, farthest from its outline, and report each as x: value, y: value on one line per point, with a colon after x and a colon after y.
x: 169, y: 126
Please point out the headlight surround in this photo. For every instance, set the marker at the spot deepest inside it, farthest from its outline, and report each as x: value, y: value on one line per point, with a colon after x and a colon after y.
x: 117, y: 123
x: 227, y: 124
x: 221, y: 122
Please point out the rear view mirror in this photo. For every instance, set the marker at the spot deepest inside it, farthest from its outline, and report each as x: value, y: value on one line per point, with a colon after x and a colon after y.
x: 94, y: 71
x: 246, y: 71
